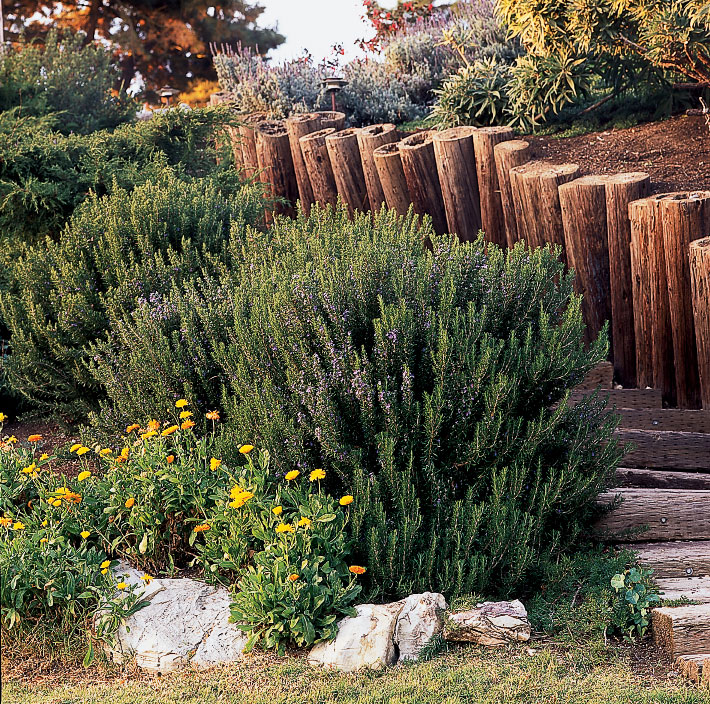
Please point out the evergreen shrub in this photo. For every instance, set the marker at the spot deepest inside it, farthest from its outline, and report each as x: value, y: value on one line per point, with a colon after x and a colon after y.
x: 422, y: 374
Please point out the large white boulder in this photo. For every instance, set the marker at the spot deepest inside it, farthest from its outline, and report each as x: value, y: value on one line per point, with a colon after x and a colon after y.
x: 186, y: 622
x: 490, y: 623
x: 421, y: 618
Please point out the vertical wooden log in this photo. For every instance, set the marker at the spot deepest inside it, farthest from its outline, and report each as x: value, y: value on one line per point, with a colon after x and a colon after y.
x: 700, y: 282
x: 419, y: 164
x: 346, y: 163
x: 456, y: 165
x: 508, y: 155
x: 273, y: 153
x: 391, y: 174
x: 320, y: 173
x: 248, y: 138
x: 583, y: 204
x: 369, y: 139
x: 652, y: 322
x: 621, y: 189
x: 298, y: 126
x: 492, y: 219
x: 328, y: 118
x: 685, y: 218
x: 221, y: 96
x: 536, y: 197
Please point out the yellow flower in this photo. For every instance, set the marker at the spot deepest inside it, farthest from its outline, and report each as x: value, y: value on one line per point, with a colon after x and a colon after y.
x: 169, y: 431
x: 18, y: 525
x: 185, y: 414
x: 317, y: 474
x: 292, y: 577
x: 3, y: 417
x: 43, y: 457
x: 12, y: 440
x: 241, y: 499
x: 356, y: 569
x: 215, y: 463
x: 34, y: 438
x: 84, y: 475
x: 284, y: 528
x: 147, y: 578
x: 292, y: 475
x: 132, y: 427
x: 202, y: 528
x: 43, y: 540
x: 170, y: 459
x: 246, y: 449
x: 188, y: 424
x: 304, y: 522
x: 5, y: 521
x: 153, y: 425
x: 124, y: 453
x: 30, y: 469
x: 82, y: 451
x: 45, y: 523
x: 121, y: 586
x: 277, y: 510
x: 75, y: 447
x: 105, y: 451
x: 149, y: 434
x: 181, y: 403
x: 85, y: 534
x: 212, y: 415
x: 105, y: 564
x: 104, y: 571
x: 346, y: 500
x: 129, y: 502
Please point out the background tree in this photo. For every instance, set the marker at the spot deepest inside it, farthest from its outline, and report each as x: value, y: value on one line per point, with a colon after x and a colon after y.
x: 164, y: 41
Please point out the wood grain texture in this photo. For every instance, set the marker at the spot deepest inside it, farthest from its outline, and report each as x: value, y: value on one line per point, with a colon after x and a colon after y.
x: 298, y: 126
x: 344, y: 153
x: 625, y: 398
x: 248, y: 143
x: 665, y: 419
x: 692, y: 588
x: 666, y: 449
x: 656, y: 514
x: 700, y: 286
x: 601, y: 376
x: 394, y: 183
x: 695, y: 667
x: 320, y: 172
x: 682, y: 630
x: 330, y: 118
x: 370, y: 138
x: 622, y: 189
x: 273, y: 153
x: 676, y: 560
x: 456, y: 167
x: 508, y: 155
x: 492, y: 218
x: 632, y: 477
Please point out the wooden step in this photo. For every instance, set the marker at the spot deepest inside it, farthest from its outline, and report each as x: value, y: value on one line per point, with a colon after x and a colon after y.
x: 658, y: 479
x: 682, y: 630
x: 667, y: 449
x: 675, y: 560
x: 695, y: 667
x: 692, y: 588
x: 664, y: 514
x: 601, y: 376
x: 624, y: 398
x: 665, y: 419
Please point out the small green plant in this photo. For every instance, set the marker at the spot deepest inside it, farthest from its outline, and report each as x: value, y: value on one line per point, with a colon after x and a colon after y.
x: 637, y: 595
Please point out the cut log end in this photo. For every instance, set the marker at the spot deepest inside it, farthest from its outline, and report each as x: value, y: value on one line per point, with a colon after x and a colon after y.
x: 453, y: 134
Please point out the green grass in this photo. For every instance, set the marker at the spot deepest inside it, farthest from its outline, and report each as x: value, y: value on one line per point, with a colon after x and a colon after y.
x: 465, y: 675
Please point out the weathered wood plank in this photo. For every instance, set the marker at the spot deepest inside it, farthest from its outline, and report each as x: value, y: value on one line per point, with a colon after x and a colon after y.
x: 657, y: 479
x: 693, y: 588
x: 625, y: 398
x: 664, y: 514
x: 682, y: 630
x: 602, y: 375
x: 680, y: 420
x: 667, y: 449
x: 676, y: 560
x: 695, y: 667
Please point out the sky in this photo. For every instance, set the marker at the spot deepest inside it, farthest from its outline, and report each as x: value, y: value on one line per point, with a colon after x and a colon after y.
x: 316, y: 25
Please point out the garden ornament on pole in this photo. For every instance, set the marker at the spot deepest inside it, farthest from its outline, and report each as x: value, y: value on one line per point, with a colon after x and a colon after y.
x: 332, y: 85
x: 166, y: 92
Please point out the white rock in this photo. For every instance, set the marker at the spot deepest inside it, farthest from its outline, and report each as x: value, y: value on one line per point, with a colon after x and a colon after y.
x: 186, y: 622
x: 421, y: 618
x: 365, y: 641
x: 490, y: 623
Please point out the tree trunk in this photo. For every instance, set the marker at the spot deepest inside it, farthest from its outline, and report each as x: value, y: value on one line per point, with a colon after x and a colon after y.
x: 320, y: 173
x: 235, y: 140
x: 700, y: 280
x: 492, y: 219
x: 685, y: 218
x: 391, y: 174
x: 273, y: 153
x: 298, y: 126
x: 536, y: 198
x: 328, y: 118
x: 652, y: 322
x: 508, y: 155
x: 369, y: 138
x: 419, y: 164
x: 456, y: 164
x: 621, y: 189
x: 346, y: 163
x: 246, y: 132
x: 92, y: 20
x: 583, y: 203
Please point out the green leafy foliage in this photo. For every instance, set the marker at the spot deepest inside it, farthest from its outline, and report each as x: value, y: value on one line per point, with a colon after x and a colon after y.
x: 638, y: 595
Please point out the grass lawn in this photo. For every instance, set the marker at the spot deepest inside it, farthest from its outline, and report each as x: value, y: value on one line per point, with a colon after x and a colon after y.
x: 588, y: 673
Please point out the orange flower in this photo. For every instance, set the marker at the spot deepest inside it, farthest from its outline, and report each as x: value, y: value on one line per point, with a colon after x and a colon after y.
x: 169, y: 431
x: 316, y: 475
x: 292, y: 577
x: 290, y: 476
x: 202, y: 528
x: 129, y: 502
x: 153, y: 425
x: 212, y: 415
x: 188, y: 424
x: 133, y: 427
x: 185, y: 414
x: 346, y: 500
x: 34, y: 438
x: 170, y: 459
x: 215, y: 463
x: 356, y: 569
x: 246, y: 449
